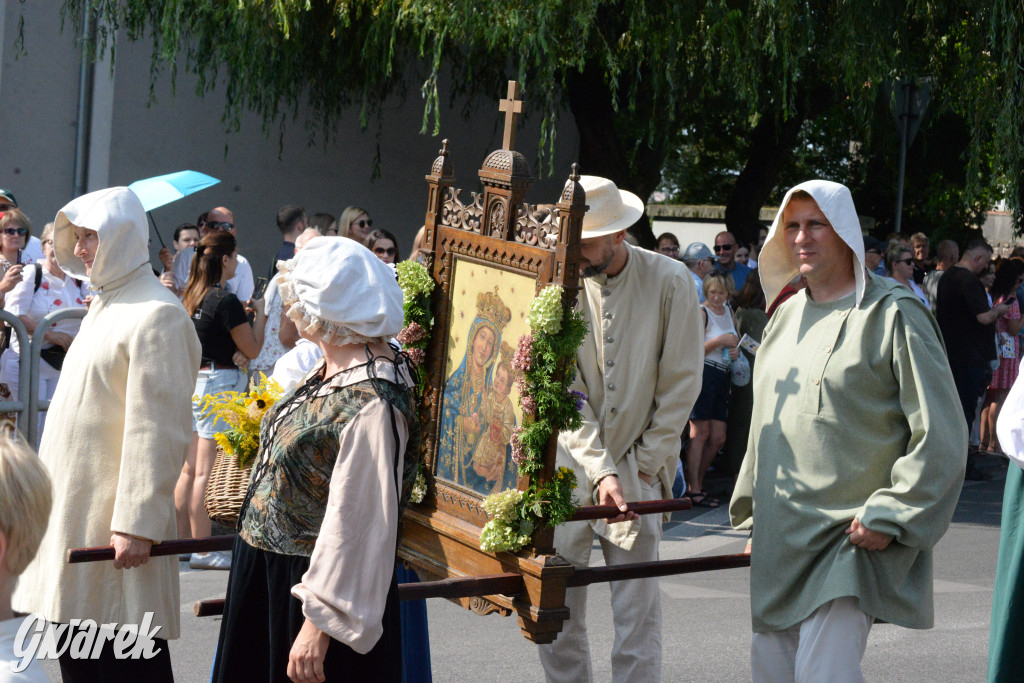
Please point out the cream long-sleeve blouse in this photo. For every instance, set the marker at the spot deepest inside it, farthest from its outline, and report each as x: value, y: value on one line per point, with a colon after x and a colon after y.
x: 855, y: 415
x: 640, y: 367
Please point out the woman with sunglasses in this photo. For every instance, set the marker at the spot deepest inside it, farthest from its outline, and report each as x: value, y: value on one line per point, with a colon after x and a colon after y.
x: 355, y: 224
x: 384, y: 246
x: 45, y: 288
x: 15, y: 230
x: 899, y: 266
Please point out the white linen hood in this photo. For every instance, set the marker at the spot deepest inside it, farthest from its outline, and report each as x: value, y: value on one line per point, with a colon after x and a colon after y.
x: 117, y: 215
x: 775, y: 262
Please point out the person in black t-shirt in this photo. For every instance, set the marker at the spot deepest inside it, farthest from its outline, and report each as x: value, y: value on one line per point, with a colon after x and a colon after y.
x: 967, y: 324
x: 223, y: 329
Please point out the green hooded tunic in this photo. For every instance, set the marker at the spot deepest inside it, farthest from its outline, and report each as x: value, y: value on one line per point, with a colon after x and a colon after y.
x: 855, y: 415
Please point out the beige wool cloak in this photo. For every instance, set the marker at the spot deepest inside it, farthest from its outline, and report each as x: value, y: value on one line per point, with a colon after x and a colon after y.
x: 119, y: 427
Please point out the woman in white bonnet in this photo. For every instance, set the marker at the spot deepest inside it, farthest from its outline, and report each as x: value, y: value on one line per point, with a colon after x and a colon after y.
x: 337, y: 458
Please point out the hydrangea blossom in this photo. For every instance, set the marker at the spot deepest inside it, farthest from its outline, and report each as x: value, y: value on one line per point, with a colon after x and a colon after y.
x: 545, y: 316
x: 414, y: 279
x: 416, y: 356
x: 419, y: 489
x: 502, y: 505
x: 498, y: 536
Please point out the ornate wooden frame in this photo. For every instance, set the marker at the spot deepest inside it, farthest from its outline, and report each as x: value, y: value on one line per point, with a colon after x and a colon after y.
x: 441, y: 536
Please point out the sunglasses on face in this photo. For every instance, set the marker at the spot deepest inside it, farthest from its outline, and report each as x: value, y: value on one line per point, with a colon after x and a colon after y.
x: 222, y: 225
x: 905, y: 261
x: 15, y: 231
x: 6, y: 207
x: 669, y: 250
x: 723, y: 247
x: 381, y: 251
x: 364, y: 222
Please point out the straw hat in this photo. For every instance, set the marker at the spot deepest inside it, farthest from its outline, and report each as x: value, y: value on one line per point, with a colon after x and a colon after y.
x: 611, y: 209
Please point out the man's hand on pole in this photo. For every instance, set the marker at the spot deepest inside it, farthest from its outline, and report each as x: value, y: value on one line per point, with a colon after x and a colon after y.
x: 609, y: 492
x: 129, y: 551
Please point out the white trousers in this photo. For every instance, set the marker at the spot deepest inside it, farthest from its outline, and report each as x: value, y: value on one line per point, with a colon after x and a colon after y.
x: 636, y: 607
x: 826, y: 646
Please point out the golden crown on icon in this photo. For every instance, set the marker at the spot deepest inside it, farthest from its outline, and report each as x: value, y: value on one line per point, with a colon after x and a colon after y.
x: 491, y: 308
x: 506, y: 352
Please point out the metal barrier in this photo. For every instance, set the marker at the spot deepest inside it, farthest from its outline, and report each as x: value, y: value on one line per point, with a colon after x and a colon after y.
x: 28, y: 373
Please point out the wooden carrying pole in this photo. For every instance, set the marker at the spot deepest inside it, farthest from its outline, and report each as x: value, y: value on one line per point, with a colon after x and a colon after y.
x: 511, y: 584
x: 203, y: 545
x: 175, y: 547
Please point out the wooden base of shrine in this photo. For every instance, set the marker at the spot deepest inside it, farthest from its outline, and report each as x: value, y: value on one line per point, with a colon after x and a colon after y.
x: 440, y: 546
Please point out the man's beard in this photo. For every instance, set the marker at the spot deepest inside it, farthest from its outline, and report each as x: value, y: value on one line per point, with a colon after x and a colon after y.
x: 598, y: 268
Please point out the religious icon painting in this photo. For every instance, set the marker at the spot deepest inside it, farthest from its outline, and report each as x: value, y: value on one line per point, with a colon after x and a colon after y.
x: 480, y: 402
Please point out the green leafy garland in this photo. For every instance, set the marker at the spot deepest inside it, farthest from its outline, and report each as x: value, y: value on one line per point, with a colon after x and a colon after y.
x: 417, y: 286
x: 549, y: 406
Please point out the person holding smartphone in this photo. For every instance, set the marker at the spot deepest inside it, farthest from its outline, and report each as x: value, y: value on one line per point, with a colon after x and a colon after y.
x: 15, y: 230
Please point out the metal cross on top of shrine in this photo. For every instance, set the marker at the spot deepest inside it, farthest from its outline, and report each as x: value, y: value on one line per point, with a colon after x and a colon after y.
x: 511, y: 105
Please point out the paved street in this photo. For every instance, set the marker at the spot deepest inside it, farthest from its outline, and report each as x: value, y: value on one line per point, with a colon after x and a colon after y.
x: 706, y: 616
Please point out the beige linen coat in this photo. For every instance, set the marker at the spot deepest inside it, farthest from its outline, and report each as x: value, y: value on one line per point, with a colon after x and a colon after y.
x: 640, y: 366
x: 119, y: 427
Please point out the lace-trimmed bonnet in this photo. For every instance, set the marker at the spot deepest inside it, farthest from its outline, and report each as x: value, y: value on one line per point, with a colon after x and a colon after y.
x: 336, y: 290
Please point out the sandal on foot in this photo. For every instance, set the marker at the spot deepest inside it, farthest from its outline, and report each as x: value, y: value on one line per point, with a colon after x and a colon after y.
x: 703, y: 500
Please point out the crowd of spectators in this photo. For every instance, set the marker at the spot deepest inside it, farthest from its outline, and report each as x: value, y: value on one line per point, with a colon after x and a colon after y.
x: 981, y: 332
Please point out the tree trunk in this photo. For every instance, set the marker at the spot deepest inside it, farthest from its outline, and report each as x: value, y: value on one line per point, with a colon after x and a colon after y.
x: 772, y: 144
x: 608, y: 149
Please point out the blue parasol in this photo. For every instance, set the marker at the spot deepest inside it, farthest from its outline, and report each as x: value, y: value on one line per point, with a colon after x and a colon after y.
x: 163, y: 189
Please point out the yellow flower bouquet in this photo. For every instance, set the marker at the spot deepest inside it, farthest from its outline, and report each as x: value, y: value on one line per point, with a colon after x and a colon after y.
x: 243, y: 411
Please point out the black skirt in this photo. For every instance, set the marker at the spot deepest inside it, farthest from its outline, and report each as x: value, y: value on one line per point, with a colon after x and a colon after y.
x: 262, y: 619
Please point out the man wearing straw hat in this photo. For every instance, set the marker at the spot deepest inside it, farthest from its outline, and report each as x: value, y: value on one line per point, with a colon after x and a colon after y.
x: 639, y: 367
x: 856, y: 451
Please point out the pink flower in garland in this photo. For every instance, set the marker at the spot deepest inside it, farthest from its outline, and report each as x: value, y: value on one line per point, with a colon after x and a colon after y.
x: 524, y: 354
x: 529, y: 403
x: 411, y: 334
x: 518, y: 454
x: 416, y: 356
x: 521, y: 386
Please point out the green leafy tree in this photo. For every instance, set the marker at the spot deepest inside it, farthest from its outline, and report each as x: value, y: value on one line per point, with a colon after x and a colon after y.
x: 632, y: 73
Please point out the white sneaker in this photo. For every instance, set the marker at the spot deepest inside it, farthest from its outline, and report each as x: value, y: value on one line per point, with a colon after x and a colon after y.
x: 218, y: 559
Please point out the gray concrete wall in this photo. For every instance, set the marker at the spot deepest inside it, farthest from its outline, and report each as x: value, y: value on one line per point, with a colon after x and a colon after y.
x: 134, y: 139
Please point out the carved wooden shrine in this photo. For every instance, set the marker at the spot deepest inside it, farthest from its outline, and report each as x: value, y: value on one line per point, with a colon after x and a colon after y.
x: 498, y: 232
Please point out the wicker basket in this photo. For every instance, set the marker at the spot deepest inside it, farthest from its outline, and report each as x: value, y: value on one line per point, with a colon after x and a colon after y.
x: 226, y: 489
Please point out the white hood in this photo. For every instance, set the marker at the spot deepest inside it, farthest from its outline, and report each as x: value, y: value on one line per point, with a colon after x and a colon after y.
x: 117, y: 215
x: 775, y: 262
